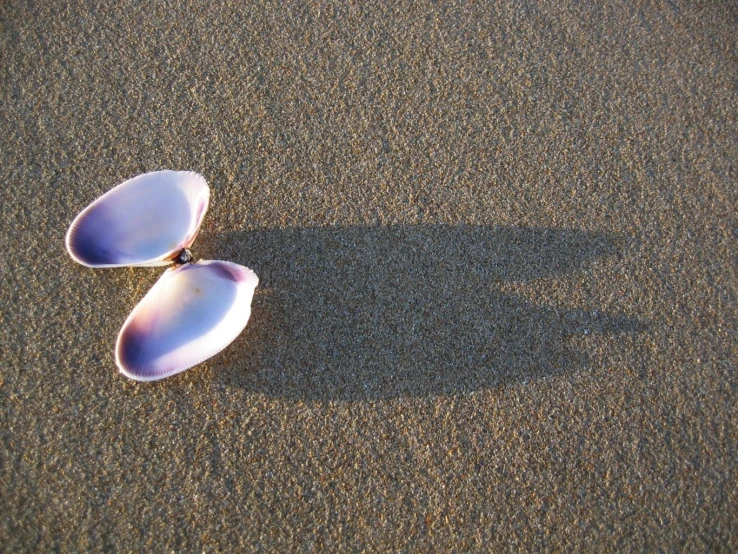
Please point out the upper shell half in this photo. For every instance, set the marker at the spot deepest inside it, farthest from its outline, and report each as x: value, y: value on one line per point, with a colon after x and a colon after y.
x: 145, y: 221
x: 190, y: 314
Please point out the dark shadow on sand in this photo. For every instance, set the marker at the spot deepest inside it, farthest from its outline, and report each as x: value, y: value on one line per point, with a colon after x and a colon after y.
x: 380, y: 312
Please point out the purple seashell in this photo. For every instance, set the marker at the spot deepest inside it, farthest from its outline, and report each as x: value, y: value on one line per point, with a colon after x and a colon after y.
x: 195, y: 309
x: 193, y: 312
x: 144, y: 221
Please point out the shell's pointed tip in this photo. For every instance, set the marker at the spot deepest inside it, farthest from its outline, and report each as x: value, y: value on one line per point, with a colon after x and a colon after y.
x: 184, y: 257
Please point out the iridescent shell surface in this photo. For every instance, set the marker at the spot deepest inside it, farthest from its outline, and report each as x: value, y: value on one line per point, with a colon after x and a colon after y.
x: 193, y: 312
x: 145, y: 221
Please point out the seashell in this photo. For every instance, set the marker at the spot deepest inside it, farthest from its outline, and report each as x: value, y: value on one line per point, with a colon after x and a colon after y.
x: 195, y: 309
x: 145, y: 221
x: 190, y: 314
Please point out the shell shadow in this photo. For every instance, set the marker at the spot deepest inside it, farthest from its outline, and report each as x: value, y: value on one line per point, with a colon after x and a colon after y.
x: 405, y: 310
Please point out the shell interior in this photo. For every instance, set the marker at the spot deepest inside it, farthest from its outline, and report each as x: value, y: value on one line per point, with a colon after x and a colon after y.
x: 189, y: 315
x: 144, y: 221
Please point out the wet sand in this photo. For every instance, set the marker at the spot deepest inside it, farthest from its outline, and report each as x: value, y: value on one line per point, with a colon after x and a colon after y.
x: 497, y: 252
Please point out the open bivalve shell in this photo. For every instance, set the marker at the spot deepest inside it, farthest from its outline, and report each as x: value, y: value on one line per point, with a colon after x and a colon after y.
x: 195, y: 309
x: 190, y: 314
x: 145, y: 221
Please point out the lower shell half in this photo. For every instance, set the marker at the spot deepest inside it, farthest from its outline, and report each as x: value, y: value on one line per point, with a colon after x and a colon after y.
x: 190, y: 314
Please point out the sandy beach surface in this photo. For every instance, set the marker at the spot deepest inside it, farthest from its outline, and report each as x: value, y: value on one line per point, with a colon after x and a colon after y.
x: 497, y: 245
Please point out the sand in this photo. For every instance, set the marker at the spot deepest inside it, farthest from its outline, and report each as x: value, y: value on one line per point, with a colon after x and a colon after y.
x: 497, y: 252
